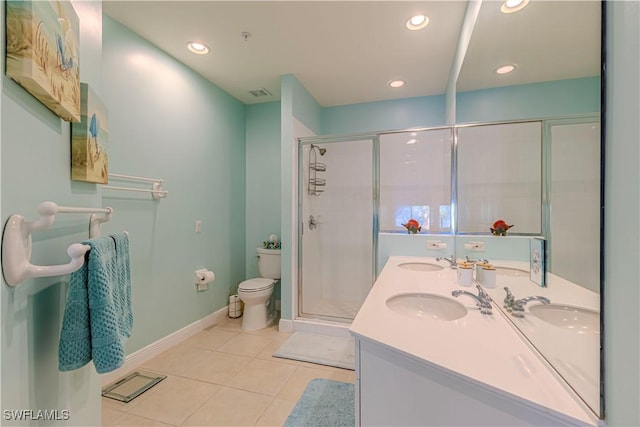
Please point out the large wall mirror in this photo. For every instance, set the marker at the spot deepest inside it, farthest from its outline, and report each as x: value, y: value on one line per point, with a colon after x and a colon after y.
x: 540, y: 171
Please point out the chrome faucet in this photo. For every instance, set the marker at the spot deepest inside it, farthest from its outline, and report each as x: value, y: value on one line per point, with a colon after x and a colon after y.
x: 483, y: 300
x: 516, y: 307
x: 452, y: 261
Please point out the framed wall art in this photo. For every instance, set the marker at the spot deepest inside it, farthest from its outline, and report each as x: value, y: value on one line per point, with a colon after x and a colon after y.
x: 43, y: 53
x: 89, y: 137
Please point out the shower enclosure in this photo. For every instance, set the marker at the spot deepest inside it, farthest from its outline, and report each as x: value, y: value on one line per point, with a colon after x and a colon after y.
x: 335, y: 227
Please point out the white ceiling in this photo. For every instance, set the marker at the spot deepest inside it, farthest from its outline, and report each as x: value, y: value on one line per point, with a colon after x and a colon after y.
x: 344, y: 52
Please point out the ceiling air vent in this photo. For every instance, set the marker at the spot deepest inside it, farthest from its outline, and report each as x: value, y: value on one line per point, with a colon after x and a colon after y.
x: 260, y: 92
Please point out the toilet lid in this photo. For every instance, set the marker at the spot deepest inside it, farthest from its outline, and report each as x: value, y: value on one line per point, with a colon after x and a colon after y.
x: 257, y: 284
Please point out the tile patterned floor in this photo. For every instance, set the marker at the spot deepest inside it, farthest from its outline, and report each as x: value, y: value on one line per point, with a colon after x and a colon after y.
x: 221, y: 376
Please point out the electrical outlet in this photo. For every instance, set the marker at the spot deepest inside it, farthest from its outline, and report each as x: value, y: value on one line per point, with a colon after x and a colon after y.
x: 198, y: 226
x: 474, y: 246
x: 436, y: 244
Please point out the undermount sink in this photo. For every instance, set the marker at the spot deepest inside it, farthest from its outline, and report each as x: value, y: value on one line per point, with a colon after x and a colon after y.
x: 511, y: 272
x: 580, y: 320
x: 426, y: 306
x: 420, y: 266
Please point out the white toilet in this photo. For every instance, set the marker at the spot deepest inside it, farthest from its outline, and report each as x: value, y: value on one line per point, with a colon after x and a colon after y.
x: 259, y: 311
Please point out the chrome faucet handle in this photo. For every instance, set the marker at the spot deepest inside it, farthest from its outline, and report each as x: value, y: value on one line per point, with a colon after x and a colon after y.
x: 482, y: 304
x: 484, y: 296
x: 525, y: 300
x: 452, y: 262
x: 509, y: 299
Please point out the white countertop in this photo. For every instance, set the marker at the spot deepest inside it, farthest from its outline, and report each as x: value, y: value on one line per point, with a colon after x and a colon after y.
x: 485, y: 349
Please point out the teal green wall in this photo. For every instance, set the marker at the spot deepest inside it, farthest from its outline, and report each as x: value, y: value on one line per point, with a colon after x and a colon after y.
x: 166, y: 121
x: 535, y: 100
x: 295, y: 103
x: 35, y: 167
x: 304, y: 106
x: 622, y: 216
x: 263, y: 207
x: 425, y: 111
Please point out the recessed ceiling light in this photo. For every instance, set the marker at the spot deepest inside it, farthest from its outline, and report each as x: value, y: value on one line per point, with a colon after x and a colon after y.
x: 506, y: 69
x: 512, y: 6
x: 417, y: 22
x: 395, y: 83
x: 198, y: 48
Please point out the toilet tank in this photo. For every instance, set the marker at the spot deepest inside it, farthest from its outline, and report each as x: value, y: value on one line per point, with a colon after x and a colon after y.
x: 269, y: 263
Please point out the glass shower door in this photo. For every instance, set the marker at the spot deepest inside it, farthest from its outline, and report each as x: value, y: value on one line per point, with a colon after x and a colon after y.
x: 335, y: 228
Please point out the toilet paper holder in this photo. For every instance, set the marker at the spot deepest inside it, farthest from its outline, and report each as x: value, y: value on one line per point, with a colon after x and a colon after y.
x: 203, y: 277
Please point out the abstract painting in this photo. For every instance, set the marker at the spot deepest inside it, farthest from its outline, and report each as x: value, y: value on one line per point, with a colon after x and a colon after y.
x: 89, y: 157
x: 42, y: 53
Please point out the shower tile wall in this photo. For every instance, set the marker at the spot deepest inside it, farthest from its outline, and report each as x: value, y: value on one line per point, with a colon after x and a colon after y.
x: 337, y: 265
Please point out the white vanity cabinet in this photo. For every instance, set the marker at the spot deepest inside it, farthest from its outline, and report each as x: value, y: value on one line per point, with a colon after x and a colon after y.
x: 397, y: 390
x: 473, y: 371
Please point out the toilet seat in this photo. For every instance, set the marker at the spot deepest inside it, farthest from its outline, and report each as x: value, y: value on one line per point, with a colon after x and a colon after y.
x: 256, y: 285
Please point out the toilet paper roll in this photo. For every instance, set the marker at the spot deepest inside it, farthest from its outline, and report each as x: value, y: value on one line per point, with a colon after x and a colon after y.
x: 206, y: 277
x: 235, y: 306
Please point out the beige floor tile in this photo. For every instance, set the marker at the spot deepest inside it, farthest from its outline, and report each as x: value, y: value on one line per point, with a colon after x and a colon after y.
x: 229, y: 324
x: 115, y: 404
x: 174, y: 399
x: 274, y: 345
x: 230, y: 407
x: 130, y: 420
x: 110, y: 416
x: 271, y: 331
x: 245, y: 345
x: 262, y: 376
x: 215, y: 367
x: 210, y: 339
x: 277, y: 413
x: 295, y: 386
x: 174, y: 359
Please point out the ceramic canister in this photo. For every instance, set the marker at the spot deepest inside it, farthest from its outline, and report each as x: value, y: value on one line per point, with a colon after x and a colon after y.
x: 465, y: 275
x: 480, y: 271
x: 488, y: 276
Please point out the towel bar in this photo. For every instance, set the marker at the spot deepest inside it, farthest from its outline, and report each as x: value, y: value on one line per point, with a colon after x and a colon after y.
x: 157, y: 192
x: 16, y: 243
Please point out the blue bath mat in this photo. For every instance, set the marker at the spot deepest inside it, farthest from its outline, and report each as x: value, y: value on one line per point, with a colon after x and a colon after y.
x: 324, y: 403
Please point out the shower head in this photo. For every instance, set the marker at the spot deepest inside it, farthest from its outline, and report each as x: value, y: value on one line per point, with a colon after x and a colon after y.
x: 320, y: 150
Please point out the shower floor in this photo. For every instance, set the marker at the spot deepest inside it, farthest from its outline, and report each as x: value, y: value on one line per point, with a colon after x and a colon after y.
x: 332, y: 308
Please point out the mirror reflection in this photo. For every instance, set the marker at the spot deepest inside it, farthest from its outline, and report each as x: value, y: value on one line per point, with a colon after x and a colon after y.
x: 551, y: 190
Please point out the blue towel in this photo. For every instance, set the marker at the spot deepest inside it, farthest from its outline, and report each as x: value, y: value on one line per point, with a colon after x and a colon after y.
x: 98, y: 317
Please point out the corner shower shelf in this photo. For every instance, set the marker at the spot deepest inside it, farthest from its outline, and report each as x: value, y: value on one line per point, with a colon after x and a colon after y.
x: 314, y: 167
x: 317, y: 166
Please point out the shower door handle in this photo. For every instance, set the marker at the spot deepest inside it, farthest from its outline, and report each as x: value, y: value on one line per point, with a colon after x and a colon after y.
x: 312, y: 222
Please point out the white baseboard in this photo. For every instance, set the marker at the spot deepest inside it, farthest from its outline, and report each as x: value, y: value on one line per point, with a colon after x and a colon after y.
x: 137, y: 358
x: 285, y: 325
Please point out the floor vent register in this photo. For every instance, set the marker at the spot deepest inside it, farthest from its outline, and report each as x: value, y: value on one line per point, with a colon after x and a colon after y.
x: 131, y: 386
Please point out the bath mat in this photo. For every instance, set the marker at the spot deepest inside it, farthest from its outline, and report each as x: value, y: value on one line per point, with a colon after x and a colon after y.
x: 320, y: 349
x: 324, y: 403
